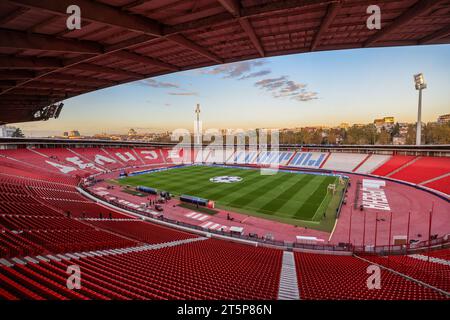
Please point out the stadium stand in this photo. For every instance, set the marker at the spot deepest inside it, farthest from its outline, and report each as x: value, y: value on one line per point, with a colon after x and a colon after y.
x: 394, y: 163
x: 308, y: 159
x: 244, y: 157
x: 156, y: 262
x: 98, y: 157
x: 441, y: 254
x: 344, y: 161
x: 142, y: 231
x: 202, y: 156
x: 371, y: 163
x: 218, y: 155
x: 66, y: 157
x: 151, y: 156
x: 67, y: 165
x: 209, y: 269
x: 334, y: 277
x: 274, y: 157
x: 442, y: 184
x: 13, y: 167
x: 127, y: 157
x: 432, y: 273
x: 423, y: 169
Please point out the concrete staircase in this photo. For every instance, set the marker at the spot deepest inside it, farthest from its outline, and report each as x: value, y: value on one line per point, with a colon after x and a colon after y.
x: 288, y: 289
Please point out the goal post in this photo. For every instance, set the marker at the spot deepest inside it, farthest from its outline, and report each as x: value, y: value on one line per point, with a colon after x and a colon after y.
x: 332, y: 188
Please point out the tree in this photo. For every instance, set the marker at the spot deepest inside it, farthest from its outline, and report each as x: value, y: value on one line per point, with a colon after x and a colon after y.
x: 332, y: 137
x: 384, y: 137
x: 395, y: 130
x: 411, y: 134
x: 18, y: 134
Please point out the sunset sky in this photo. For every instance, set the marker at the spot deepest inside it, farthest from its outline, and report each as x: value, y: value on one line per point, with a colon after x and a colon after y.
x: 321, y: 88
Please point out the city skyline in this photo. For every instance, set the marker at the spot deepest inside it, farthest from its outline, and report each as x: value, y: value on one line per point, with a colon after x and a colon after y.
x: 314, y: 89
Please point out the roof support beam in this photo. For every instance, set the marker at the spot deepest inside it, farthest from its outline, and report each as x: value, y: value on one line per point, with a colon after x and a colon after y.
x: 245, y: 12
x: 444, y: 32
x: 332, y: 11
x: 113, y: 17
x: 57, y: 86
x: 233, y: 7
x: 182, y: 41
x: 7, y: 83
x: 133, y: 4
x: 281, y: 5
x: 248, y: 28
x: 12, y: 15
x: 35, y: 92
x: 9, y: 62
x: 145, y: 60
x: 418, y: 9
x: 13, y: 97
x: 98, y: 12
x: 22, y: 40
x: 107, y: 70
x: 78, y: 79
x: 45, y: 85
x: 16, y: 74
x: 44, y: 23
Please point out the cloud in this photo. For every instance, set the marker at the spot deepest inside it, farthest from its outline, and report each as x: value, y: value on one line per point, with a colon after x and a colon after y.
x: 168, y: 85
x: 282, y: 87
x: 306, y: 96
x: 159, y: 84
x: 237, y: 70
x: 272, y: 83
x: 183, y: 93
x: 255, y: 74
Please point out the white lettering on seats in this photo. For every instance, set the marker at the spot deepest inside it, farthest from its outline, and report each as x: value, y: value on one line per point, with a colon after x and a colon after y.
x: 151, y: 155
x: 82, y: 165
x: 373, y: 195
x: 174, y: 153
x: 129, y: 156
x: 60, y: 167
x: 100, y: 159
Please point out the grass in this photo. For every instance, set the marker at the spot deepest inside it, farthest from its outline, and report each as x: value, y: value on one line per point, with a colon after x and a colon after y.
x: 294, y: 198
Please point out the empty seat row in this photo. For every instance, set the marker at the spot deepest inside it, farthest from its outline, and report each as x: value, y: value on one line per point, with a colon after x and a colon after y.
x: 332, y: 277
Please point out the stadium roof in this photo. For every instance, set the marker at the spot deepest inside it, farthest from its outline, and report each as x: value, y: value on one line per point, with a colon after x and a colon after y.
x: 43, y: 62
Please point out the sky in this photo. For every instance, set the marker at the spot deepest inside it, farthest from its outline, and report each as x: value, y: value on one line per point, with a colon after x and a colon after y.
x: 309, y: 89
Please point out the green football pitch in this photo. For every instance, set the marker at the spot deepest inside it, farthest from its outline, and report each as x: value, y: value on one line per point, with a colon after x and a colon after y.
x: 294, y: 198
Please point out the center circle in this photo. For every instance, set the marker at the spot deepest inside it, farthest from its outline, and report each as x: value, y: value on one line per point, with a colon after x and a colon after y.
x: 225, y: 179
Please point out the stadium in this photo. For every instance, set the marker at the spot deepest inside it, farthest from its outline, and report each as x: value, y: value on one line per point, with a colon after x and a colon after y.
x: 137, y: 220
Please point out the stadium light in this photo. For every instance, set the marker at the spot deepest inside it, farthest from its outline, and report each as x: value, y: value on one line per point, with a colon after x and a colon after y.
x: 420, y: 85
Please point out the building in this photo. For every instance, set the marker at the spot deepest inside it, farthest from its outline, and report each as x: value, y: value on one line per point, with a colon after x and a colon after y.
x: 74, y: 134
x: 403, y: 129
x: 344, y: 125
x: 7, y: 131
x: 445, y: 118
x: 387, y: 123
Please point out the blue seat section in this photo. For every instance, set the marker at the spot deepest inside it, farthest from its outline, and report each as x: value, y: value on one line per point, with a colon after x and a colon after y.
x: 245, y: 157
x: 308, y: 159
x: 274, y: 157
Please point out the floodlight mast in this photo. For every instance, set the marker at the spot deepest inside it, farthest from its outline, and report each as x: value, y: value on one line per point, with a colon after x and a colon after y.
x: 197, y: 111
x: 198, y: 136
x: 420, y: 85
